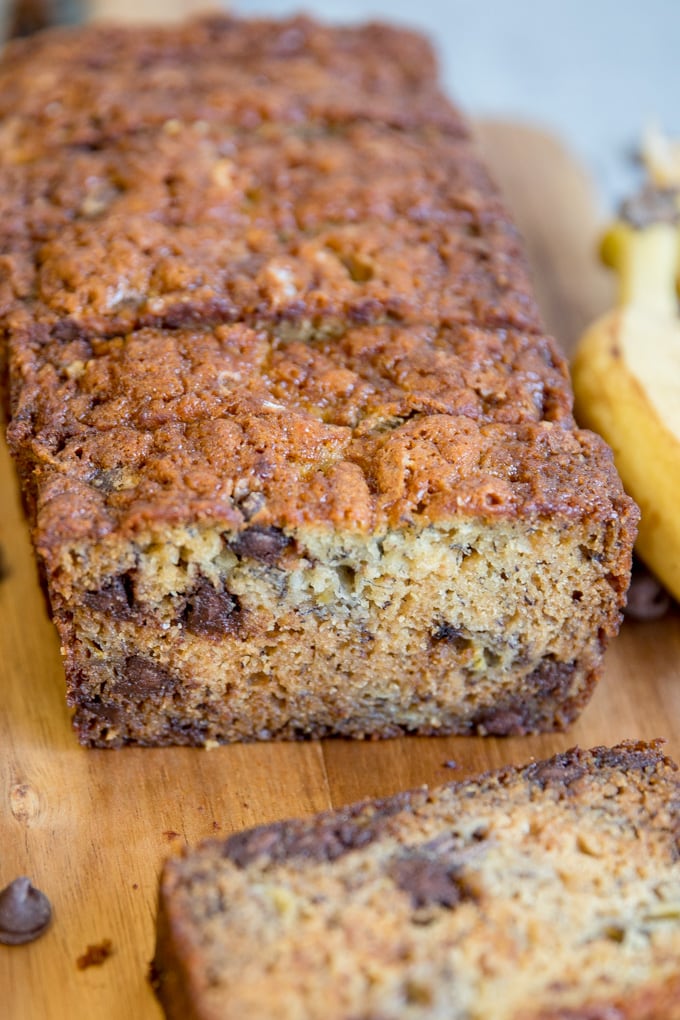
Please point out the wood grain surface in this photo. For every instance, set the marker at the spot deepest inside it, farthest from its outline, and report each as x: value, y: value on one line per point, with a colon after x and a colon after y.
x: 91, y: 828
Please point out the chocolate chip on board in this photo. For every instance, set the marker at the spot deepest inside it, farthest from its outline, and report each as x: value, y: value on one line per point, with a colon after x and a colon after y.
x: 95, y: 955
x: 25, y: 912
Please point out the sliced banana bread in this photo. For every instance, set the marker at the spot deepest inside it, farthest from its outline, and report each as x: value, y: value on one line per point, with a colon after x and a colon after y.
x: 549, y: 892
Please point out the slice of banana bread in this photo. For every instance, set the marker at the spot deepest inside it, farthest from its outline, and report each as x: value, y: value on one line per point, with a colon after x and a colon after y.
x: 298, y: 457
x: 392, y: 530
x: 550, y: 892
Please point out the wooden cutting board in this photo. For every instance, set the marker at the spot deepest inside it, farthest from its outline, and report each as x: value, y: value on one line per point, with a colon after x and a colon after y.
x: 91, y: 828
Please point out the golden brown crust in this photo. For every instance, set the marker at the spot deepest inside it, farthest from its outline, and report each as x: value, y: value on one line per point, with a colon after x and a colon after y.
x: 306, y: 222
x: 430, y: 471
x: 318, y: 226
x: 140, y: 114
x: 281, y: 228
x: 409, y: 424
x: 240, y: 72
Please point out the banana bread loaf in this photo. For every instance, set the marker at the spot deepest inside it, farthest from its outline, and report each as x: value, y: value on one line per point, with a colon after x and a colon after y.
x: 550, y: 892
x: 297, y: 454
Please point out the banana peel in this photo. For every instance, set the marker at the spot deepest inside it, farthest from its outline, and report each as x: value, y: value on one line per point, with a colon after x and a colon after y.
x: 626, y: 377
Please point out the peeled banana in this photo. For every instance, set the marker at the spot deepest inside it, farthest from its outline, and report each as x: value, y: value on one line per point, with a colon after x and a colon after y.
x: 626, y: 374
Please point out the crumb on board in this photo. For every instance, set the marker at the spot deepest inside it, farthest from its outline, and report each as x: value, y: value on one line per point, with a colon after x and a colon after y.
x: 95, y: 955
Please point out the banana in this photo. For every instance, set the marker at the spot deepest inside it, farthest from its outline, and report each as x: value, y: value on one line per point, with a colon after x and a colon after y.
x: 626, y: 374
x: 661, y: 158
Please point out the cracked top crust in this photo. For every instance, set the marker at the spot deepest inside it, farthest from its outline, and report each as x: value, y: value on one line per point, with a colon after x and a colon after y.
x: 308, y: 223
x: 378, y: 427
x: 245, y: 171
x: 261, y: 261
x: 214, y: 69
